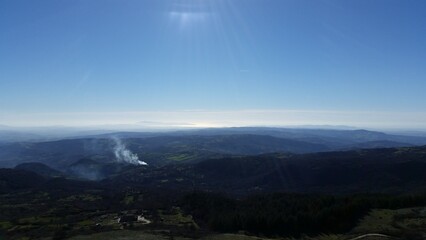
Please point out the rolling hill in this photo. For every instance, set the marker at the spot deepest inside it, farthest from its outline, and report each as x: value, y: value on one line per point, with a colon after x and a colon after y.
x: 187, y: 146
x: 376, y: 170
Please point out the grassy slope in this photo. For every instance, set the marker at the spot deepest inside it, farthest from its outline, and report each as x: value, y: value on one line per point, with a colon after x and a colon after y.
x: 404, y: 222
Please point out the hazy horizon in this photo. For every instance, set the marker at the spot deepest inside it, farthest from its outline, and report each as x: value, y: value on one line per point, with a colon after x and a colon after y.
x: 215, y: 119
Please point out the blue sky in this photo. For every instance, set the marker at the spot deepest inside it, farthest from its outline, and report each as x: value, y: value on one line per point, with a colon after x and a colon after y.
x: 213, y: 62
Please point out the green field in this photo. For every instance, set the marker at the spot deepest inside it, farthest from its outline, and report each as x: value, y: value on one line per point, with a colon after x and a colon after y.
x: 407, y: 223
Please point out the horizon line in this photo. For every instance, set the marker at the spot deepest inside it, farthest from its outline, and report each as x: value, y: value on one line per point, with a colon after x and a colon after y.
x: 198, y: 118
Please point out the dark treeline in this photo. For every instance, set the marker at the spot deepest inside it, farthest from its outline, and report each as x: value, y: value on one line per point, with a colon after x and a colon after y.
x: 282, y: 214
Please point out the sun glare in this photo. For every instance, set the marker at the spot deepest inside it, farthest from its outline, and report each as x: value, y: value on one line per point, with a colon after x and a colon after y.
x: 187, y: 19
x: 186, y: 14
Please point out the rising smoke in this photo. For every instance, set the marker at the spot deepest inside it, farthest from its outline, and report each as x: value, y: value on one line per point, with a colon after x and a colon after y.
x: 122, y: 154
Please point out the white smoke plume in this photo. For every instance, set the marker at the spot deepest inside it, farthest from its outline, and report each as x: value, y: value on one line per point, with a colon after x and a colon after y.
x: 122, y: 154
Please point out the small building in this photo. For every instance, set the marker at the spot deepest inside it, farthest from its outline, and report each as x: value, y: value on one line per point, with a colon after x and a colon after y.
x: 143, y: 220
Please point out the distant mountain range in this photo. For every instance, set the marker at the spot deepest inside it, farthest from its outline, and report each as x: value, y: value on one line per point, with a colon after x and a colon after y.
x: 160, y: 148
x: 330, y: 137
